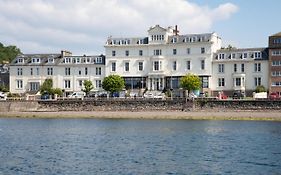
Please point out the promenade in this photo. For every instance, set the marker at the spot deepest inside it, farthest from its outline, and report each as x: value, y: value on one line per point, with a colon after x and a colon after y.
x: 194, y: 115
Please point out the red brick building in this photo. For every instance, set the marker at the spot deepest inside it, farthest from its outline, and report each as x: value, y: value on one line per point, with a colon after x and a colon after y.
x: 274, y: 46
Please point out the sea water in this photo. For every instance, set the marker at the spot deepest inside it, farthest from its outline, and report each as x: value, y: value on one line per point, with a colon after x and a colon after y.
x: 112, y: 146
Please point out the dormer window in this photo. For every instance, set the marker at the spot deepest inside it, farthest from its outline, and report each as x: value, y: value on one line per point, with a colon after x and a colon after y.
x: 221, y: 56
x: 232, y: 55
x: 127, y: 42
x: 204, y: 38
x: 99, y: 60
x: 67, y: 60
x: 193, y: 39
x: 174, y: 40
x: 141, y: 41
x: 77, y: 60
x: 50, y: 60
x: 20, y: 60
x: 257, y: 54
x: 35, y: 60
x: 245, y: 55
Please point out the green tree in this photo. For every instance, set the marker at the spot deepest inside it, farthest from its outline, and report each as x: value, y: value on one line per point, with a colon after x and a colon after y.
x: 190, y: 82
x: 260, y: 89
x: 47, y: 86
x: 57, y: 91
x: 88, y: 86
x: 4, y: 88
x: 113, y: 83
x: 7, y: 54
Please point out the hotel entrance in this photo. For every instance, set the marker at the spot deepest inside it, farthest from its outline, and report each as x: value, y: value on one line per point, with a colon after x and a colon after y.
x: 156, y: 84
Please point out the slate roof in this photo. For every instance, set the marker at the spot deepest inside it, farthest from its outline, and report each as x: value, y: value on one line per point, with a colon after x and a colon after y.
x: 277, y: 34
x: 239, y: 53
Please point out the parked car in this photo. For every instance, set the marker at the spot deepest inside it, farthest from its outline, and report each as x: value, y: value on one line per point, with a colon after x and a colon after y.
x: 192, y: 95
x: 78, y: 95
x: 45, y: 96
x: 273, y: 95
x: 3, y: 96
x: 152, y: 95
x: 238, y: 95
x: 148, y: 95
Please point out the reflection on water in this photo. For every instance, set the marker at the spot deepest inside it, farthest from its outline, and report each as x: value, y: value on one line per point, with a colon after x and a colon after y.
x: 92, y: 146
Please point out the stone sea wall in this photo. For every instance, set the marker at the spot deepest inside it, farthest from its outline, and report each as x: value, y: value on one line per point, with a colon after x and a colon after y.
x: 138, y: 105
x: 202, y: 104
x: 116, y: 105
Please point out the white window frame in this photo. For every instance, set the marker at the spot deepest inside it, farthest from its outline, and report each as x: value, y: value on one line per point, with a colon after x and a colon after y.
x: 257, y: 67
x: 202, y: 65
x: 113, y: 66
x: 67, y: 60
x: 188, y: 65
x: 257, y: 81
x: 98, y: 70
x: 98, y: 59
x: 158, y: 65
x: 127, y: 66
x: 140, y: 65
x: 67, y: 84
x: 19, y: 84
x: 221, y: 82
x: 174, y: 66
x: 49, y: 71
x: 98, y: 84
x: 221, y: 68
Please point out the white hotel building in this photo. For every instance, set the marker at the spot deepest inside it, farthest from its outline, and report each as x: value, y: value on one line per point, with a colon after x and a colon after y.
x: 29, y: 71
x: 159, y: 60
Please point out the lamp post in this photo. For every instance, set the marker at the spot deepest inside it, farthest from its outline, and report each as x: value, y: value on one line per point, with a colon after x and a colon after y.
x: 171, y: 87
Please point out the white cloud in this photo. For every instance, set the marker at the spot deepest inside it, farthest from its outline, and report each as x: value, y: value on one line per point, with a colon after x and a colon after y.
x: 84, y: 25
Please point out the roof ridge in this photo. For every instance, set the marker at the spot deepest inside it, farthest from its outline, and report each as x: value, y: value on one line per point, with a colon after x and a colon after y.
x: 277, y: 34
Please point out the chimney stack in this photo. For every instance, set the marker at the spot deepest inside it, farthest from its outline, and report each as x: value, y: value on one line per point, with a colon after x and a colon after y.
x: 176, y: 32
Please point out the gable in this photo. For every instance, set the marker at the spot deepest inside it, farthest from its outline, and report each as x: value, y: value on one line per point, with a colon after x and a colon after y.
x: 156, y: 29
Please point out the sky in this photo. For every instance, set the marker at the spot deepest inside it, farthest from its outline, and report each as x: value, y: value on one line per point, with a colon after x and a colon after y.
x: 82, y: 27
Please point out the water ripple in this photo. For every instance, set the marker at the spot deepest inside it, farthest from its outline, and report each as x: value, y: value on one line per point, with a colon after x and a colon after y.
x: 139, y: 147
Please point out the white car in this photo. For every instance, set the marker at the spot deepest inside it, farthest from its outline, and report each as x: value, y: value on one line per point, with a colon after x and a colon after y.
x: 3, y: 96
x: 78, y: 95
x: 151, y: 95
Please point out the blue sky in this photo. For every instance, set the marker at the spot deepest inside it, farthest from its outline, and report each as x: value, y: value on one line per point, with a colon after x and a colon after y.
x: 251, y: 25
x: 40, y: 26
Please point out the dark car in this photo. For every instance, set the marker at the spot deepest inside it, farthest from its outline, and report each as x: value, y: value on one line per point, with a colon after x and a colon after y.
x: 273, y: 96
x: 238, y: 95
x: 45, y: 96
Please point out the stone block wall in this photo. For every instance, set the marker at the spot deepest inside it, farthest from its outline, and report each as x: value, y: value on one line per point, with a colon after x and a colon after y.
x: 139, y: 105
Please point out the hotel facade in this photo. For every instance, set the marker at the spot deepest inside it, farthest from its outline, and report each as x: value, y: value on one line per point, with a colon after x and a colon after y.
x: 155, y: 62
x: 159, y: 60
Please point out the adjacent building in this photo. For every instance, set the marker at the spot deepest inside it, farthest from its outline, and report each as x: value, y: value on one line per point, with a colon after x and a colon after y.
x: 240, y: 70
x: 29, y: 71
x: 4, y: 75
x: 274, y: 46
